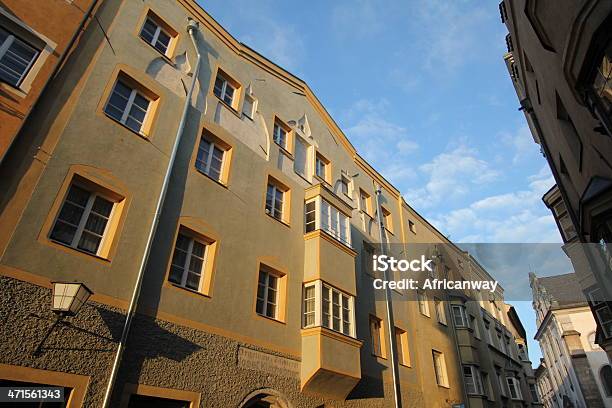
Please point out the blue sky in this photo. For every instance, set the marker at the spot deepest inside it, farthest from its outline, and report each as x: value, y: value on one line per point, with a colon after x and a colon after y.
x: 421, y: 90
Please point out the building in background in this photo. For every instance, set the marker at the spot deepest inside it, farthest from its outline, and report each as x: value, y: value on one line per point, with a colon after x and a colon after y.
x: 575, y: 370
x: 560, y: 62
x: 33, y: 46
x: 257, y: 291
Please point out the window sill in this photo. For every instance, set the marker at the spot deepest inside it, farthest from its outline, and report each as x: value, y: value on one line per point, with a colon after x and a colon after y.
x: 285, y: 151
x: 443, y: 324
x: 322, y: 180
x: 444, y: 386
x: 405, y: 365
x: 61, y: 245
x: 192, y: 291
x: 164, y: 56
x: 303, y: 177
x: 222, y: 184
x: 228, y: 106
x: 425, y: 315
x: 15, y: 90
x: 142, y: 135
x: 285, y: 223
x: 379, y: 357
x: 270, y: 319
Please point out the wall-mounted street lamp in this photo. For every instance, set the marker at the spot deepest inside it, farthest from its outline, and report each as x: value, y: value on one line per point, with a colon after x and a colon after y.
x: 66, y: 300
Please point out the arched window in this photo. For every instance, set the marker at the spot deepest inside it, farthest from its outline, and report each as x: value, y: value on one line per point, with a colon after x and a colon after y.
x: 605, y: 374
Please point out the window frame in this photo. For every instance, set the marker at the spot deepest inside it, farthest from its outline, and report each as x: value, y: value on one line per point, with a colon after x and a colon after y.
x: 463, y: 314
x: 227, y: 80
x: 423, y: 303
x: 221, y: 144
x: 403, y: 349
x: 265, y: 301
x: 326, y: 166
x: 136, y: 88
x: 440, y: 370
x: 318, y: 321
x: 476, y: 382
x: 4, y: 48
x: 161, y: 26
x: 340, y: 220
x: 387, y: 219
x: 188, y: 258
x: 516, y: 386
x: 365, y: 200
x: 440, y: 311
x: 283, y: 130
x: 278, y: 187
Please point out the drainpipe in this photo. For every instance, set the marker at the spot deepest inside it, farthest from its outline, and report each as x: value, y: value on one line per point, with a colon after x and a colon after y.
x: 390, y: 323
x: 192, y: 29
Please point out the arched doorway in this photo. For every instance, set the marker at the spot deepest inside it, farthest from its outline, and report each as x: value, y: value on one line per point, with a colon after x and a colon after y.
x: 265, y: 398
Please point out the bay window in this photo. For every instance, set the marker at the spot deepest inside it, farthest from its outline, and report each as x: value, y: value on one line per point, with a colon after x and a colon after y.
x: 514, y: 387
x: 473, y: 381
x: 326, y: 306
x: 321, y: 215
x: 459, y: 316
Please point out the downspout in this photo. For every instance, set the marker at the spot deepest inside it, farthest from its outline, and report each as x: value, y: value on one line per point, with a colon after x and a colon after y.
x: 192, y: 28
x: 56, y: 69
x: 390, y: 323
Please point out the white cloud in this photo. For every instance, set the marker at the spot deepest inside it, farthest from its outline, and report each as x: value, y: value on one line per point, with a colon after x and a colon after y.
x: 385, y: 144
x: 358, y: 18
x: 521, y: 142
x: 451, y: 175
x: 281, y: 44
x: 512, y: 217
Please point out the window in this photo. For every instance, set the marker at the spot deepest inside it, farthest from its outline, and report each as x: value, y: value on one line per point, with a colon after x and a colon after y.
x: 328, y: 307
x: 365, y: 202
x: 423, y: 303
x: 327, y: 218
x: 376, y: 336
x: 188, y: 260
x: 401, y: 342
x: 156, y: 35
x: 345, y: 186
x: 487, y: 332
x: 486, y: 383
x: 473, y: 381
x: 514, y: 387
x: 300, y: 160
x: 440, y: 312
x: 16, y: 58
x: 210, y: 158
x: 534, y: 393
x: 321, y: 167
x: 83, y: 220
x: 500, y: 342
x: 604, y: 318
x: 563, y: 219
x: 367, y: 254
x: 276, y: 197
x: 225, y: 89
x: 249, y: 106
x: 280, y: 134
x: 267, y: 294
x: 309, y: 305
x: 440, y: 368
x: 388, y: 221
x: 412, y: 227
x: 605, y: 375
x: 601, y: 83
x: 128, y: 106
x: 459, y: 316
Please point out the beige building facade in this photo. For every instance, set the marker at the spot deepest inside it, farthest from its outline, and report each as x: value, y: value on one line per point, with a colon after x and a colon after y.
x: 558, y: 58
x: 256, y: 292
x: 575, y: 370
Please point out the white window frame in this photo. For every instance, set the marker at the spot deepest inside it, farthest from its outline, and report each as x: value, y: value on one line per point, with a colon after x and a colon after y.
x: 464, y: 322
x: 514, y: 384
x: 224, y: 90
x: 280, y: 135
x: 341, y: 230
x: 439, y: 363
x: 249, y: 99
x: 84, y: 218
x: 128, y: 106
x: 271, y: 211
x: 321, y: 164
x: 320, y: 286
x: 158, y: 29
x: 4, y: 47
x: 473, y: 381
x: 440, y: 311
x: 208, y: 161
x: 423, y: 302
x: 265, y: 300
x: 184, y: 276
